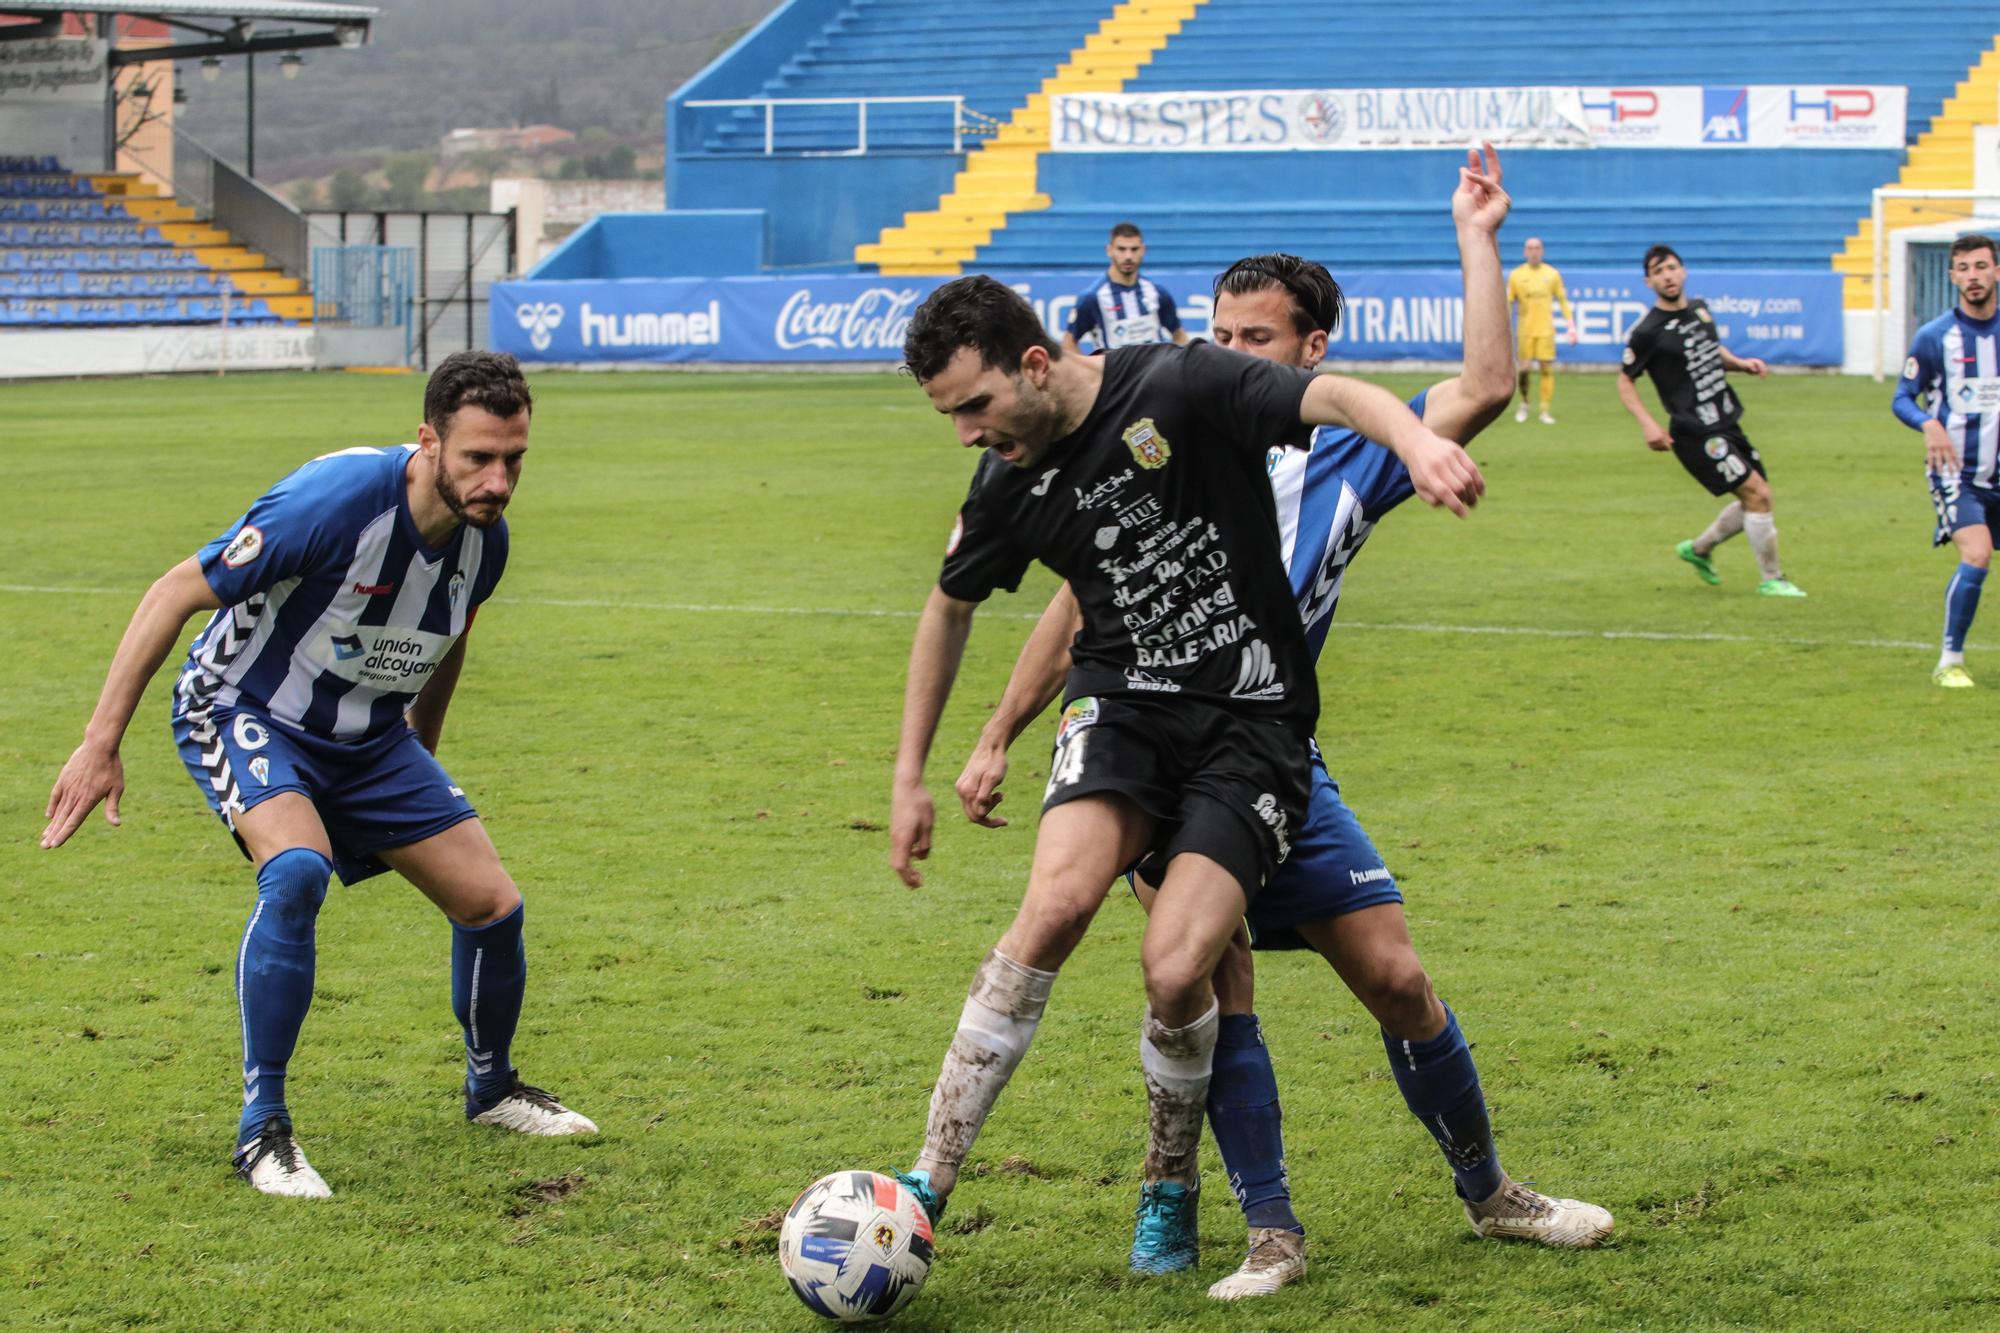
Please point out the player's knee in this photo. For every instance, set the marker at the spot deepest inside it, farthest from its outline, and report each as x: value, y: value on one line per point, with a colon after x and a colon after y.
x: 1755, y: 494
x: 489, y: 903
x: 1175, y: 976
x: 293, y: 884
x: 1398, y: 993
x: 1236, y: 977
x: 1049, y: 926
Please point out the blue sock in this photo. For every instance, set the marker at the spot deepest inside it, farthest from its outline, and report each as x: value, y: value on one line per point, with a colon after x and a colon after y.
x: 489, y: 974
x: 274, y: 978
x: 1243, y: 1112
x: 1961, y: 603
x: 1441, y: 1087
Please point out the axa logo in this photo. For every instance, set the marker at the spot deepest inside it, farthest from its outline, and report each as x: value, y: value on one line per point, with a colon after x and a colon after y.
x: 1724, y: 117
x: 541, y: 319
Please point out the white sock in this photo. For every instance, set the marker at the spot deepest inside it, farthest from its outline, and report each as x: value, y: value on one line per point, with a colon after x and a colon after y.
x: 1178, y: 1063
x: 1727, y: 524
x: 994, y: 1029
x: 1762, y: 530
x: 1948, y: 658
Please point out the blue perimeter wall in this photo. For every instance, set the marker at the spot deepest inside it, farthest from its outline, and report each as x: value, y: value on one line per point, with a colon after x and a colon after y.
x: 1787, y: 317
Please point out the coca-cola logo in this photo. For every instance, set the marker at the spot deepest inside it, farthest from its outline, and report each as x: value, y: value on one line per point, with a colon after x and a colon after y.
x: 874, y: 320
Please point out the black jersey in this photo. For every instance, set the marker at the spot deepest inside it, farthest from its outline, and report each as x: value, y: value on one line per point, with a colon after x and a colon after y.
x: 1679, y: 349
x: 1158, y: 511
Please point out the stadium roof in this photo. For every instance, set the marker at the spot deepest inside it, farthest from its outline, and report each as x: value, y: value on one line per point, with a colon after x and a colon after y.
x: 217, y: 29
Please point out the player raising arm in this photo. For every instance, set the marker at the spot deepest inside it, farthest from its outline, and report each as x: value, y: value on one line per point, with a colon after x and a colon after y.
x: 1954, y: 363
x: 1334, y: 894
x: 307, y: 714
x: 1675, y: 344
x: 1138, y: 477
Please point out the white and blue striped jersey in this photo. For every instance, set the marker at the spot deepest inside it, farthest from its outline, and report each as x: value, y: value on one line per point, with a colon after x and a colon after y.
x: 1120, y: 316
x: 334, y: 611
x: 1954, y: 363
x: 1329, y: 500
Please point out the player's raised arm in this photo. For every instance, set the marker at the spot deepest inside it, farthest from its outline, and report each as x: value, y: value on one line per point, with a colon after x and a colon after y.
x: 94, y: 772
x: 1460, y: 407
x: 942, y: 629
x: 1441, y: 472
x: 1036, y: 681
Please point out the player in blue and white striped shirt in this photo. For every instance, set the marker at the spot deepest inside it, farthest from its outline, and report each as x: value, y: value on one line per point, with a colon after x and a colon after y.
x: 308, y: 713
x: 1123, y: 309
x: 1954, y: 363
x: 1333, y: 894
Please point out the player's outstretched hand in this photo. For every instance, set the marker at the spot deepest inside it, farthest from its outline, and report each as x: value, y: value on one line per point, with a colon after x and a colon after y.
x: 1755, y: 365
x: 91, y: 775
x: 979, y: 786
x: 1940, y: 458
x: 1656, y: 439
x: 912, y: 817
x: 1479, y: 201
x: 1443, y: 473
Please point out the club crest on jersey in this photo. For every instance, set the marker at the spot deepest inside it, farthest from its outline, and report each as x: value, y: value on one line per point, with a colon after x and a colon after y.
x: 1910, y: 368
x: 1703, y: 315
x: 1081, y: 714
x: 1150, y: 449
x: 1716, y: 447
x: 246, y: 546
x: 456, y: 588
x: 260, y: 769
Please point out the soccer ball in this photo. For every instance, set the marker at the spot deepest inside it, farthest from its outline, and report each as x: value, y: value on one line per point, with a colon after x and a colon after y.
x: 855, y: 1246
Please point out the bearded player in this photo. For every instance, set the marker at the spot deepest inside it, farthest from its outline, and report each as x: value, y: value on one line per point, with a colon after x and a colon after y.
x: 308, y: 713
x: 1335, y: 895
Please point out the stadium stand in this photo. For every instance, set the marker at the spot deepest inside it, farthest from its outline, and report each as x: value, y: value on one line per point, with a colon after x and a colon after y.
x: 93, y: 251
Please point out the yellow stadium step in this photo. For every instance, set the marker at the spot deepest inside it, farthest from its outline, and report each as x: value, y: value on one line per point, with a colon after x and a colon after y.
x: 1941, y: 159
x: 289, y: 307
x: 190, y: 234
x: 265, y: 282
x: 156, y: 210
x: 228, y: 258
x: 1002, y: 175
x: 124, y: 185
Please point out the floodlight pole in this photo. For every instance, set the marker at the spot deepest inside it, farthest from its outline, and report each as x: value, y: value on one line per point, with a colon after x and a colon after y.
x: 250, y: 116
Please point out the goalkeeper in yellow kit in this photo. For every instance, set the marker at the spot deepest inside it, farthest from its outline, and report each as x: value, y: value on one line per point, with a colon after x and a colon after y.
x: 1534, y: 288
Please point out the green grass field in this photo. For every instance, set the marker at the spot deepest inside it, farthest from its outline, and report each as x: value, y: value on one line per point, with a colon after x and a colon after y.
x: 1699, y: 871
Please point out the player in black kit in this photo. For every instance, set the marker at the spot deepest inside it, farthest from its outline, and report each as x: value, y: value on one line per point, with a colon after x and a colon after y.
x: 1138, y: 476
x: 1676, y: 344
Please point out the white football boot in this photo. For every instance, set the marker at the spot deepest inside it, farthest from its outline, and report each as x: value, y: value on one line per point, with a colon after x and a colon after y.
x: 1516, y: 1212
x: 1277, y: 1258
x: 273, y: 1163
x: 530, y: 1110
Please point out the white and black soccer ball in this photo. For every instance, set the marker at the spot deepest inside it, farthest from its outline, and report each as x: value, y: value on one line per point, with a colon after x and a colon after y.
x: 856, y: 1246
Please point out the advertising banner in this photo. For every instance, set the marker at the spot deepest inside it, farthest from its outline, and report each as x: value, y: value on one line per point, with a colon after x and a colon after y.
x: 1747, y: 116
x: 1785, y: 317
x: 1325, y: 120
x: 1384, y: 119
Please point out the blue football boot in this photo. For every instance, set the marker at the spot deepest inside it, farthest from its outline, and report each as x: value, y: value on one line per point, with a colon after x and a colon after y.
x: 919, y: 1184
x: 1165, y: 1239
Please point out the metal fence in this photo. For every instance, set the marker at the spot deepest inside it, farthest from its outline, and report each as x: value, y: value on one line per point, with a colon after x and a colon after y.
x: 825, y: 126
x: 456, y: 259
x: 366, y: 286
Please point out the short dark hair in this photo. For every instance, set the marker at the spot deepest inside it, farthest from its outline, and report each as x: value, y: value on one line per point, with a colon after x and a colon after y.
x: 977, y: 312
x: 491, y: 380
x: 1126, y: 229
x: 1655, y: 255
x: 1316, y: 299
x: 1973, y: 240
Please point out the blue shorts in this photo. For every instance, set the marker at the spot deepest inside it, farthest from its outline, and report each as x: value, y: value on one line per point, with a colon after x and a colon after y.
x: 1960, y: 504
x: 385, y: 792
x: 1333, y: 870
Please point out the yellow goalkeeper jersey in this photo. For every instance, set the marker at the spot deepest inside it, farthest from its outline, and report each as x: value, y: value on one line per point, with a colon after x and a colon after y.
x: 1537, y: 290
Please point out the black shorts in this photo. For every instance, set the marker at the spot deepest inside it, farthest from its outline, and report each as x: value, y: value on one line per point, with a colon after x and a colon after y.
x: 1719, y: 459
x: 1232, y: 787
